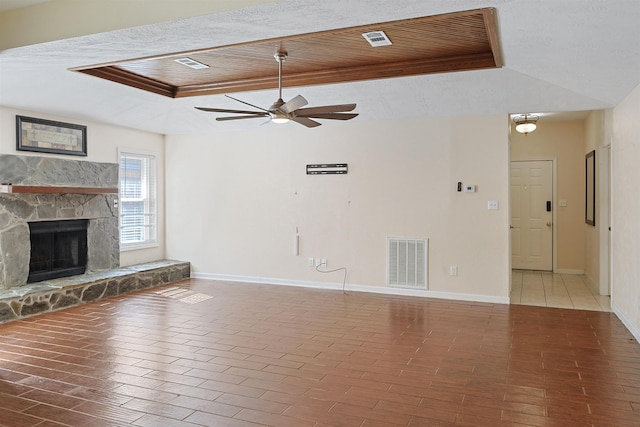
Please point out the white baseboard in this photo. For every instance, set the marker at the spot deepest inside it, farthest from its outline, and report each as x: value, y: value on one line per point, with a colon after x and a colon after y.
x: 567, y: 271
x: 630, y: 326
x: 354, y: 288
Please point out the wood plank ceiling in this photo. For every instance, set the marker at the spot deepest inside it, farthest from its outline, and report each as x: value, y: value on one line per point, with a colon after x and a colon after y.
x: 450, y: 42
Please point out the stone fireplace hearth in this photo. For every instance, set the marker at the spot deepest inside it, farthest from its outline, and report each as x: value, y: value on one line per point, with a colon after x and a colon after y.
x: 17, y: 210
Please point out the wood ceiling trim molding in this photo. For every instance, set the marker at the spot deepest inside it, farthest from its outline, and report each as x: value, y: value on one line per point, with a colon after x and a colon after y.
x: 490, y: 22
x: 134, y: 80
x: 458, y: 41
x: 382, y: 71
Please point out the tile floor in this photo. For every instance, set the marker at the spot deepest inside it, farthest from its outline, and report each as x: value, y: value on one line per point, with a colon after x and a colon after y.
x: 546, y: 289
x: 208, y: 353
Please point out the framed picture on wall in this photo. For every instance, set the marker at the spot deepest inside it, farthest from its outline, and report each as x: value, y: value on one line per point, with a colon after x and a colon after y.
x: 590, y: 186
x: 46, y: 136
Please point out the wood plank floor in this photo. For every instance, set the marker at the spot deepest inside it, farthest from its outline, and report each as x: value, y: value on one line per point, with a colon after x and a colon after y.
x: 207, y: 353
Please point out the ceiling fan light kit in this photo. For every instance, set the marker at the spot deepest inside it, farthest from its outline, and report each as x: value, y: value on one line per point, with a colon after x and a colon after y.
x: 279, y: 120
x: 526, y: 123
x: 283, y: 112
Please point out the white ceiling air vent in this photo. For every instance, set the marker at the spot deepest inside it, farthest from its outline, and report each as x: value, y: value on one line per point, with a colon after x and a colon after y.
x: 377, y: 38
x: 191, y: 63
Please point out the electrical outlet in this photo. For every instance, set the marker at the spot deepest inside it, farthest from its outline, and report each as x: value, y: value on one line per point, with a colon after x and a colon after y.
x: 323, y: 262
x: 453, y: 270
x: 318, y: 262
x: 310, y: 262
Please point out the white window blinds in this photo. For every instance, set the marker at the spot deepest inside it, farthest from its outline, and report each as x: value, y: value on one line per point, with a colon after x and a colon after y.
x: 138, y: 225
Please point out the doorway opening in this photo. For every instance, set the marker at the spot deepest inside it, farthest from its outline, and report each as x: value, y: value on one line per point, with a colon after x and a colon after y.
x: 577, y: 272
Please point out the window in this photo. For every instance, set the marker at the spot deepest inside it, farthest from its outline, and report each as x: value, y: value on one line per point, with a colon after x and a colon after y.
x: 138, y: 213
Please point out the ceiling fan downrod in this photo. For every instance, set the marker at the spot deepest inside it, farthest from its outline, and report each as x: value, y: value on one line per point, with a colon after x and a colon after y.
x: 280, y: 57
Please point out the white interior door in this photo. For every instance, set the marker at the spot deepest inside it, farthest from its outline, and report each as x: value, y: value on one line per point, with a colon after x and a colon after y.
x: 531, y: 215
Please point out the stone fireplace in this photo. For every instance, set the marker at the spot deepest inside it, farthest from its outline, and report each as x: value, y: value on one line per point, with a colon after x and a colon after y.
x: 18, y: 211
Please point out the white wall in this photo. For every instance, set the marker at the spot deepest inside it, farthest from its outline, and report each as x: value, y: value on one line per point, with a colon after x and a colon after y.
x: 236, y: 199
x: 103, y: 142
x: 595, y: 141
x: 625, y: 220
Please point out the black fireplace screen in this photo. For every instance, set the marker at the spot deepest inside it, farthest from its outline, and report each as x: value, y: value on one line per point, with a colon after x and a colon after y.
x: 58, y: 249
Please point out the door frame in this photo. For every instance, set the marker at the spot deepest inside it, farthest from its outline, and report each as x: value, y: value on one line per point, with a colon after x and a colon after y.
x: 603, y: 198
x: 554, y: 204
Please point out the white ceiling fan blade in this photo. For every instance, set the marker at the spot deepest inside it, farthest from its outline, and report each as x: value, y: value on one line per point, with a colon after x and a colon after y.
x: 293, y: 104
x: 224, y: 110
x: 325, y: 109
x: 246, y: 103
x: 306, y: 122
x: 253, y: 116
x: 331, y: 116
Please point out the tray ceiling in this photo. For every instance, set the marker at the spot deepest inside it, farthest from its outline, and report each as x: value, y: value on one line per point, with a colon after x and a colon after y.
x: 458, y: 41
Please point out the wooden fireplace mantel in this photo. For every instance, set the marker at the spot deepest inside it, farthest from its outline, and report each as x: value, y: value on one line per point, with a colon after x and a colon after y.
x: 42, y: 189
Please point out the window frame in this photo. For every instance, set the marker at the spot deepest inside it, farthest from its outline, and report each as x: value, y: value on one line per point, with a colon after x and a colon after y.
x: 151, y: 201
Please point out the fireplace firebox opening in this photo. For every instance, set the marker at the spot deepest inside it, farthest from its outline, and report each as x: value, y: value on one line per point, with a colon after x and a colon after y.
x: 58, y: 249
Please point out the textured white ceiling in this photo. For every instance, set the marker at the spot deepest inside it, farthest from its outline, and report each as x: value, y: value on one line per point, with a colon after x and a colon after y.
x: 560, y: 55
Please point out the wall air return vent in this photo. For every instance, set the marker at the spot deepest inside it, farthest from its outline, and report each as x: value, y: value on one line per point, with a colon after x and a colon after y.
x: 407, y: 263
x: 377, y: 38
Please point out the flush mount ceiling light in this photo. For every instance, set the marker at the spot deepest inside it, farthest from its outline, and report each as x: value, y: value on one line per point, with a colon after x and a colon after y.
x: 526, y: 123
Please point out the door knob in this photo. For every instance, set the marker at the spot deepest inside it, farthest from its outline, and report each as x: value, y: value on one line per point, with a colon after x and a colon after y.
x: 548, y: 223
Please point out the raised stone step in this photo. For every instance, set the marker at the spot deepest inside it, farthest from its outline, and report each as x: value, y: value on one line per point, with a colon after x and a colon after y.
x: 55, y: 294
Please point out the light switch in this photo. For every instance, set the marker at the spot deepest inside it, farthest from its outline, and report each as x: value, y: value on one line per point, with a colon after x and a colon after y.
x: 492, y: 205
x: 562, y: 203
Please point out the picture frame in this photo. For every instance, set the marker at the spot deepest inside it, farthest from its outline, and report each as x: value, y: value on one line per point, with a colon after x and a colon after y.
x: 590, y: 188
x: 48, y: 136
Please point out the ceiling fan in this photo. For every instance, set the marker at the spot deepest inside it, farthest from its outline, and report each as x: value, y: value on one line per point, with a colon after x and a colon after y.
x: 282, y: 112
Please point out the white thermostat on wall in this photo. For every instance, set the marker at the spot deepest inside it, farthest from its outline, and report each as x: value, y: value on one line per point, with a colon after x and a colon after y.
x: 469, y: 188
